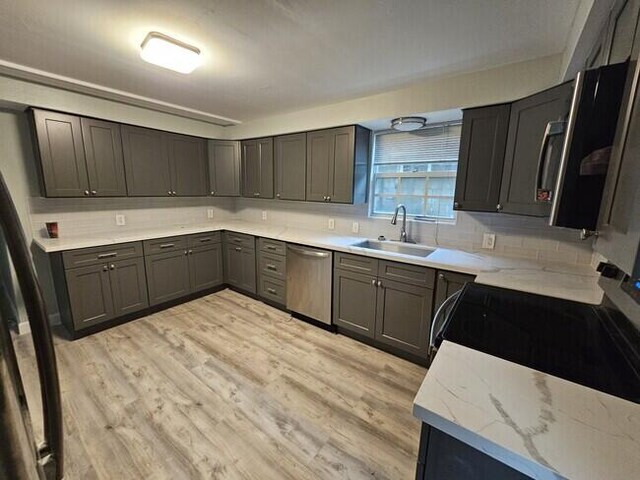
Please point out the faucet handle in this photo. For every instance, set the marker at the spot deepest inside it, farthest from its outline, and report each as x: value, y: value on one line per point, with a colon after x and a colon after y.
x: 382, y: 238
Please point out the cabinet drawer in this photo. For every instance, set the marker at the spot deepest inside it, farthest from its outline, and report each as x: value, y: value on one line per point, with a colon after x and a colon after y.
x: 412, y: 274
x: 167, y: 244
x: 203, y: 239
x: 97, y: 255
x: 272, y: 246
x: 356, y: 263
x: 240, y: 239
x: 272, y: 289
x: 272, y: 265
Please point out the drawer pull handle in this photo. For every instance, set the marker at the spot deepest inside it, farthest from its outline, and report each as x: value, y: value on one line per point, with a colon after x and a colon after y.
x: 108, y: 255
x: 238, y: 249
x: 112, y: 266
x: 208, y: 239
x: 271, y: 247
x: 271, y: 266
x: 167, y: 245
x: 272, y: 291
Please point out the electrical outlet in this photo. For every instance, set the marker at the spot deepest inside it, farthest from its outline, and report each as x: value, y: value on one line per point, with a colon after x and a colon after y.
x: 264, y: 214
x: 209, y: 213
x: 355, y: 227
x: 120, y: 220
x: 332, y: 223
x: 489, y: 241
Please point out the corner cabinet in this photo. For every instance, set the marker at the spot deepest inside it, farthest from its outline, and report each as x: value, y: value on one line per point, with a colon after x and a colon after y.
x: 224, y: 168
x: 257, y: 168
x: 337, y: 160
x: 290, y: 153
x: 482, y: 147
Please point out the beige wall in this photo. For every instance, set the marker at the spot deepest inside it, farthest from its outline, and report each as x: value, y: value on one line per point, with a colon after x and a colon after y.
x: 470, y: 89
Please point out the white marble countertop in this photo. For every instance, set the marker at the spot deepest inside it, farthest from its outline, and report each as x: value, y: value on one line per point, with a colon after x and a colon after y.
x: 541, y: 425
x: 566, y: 281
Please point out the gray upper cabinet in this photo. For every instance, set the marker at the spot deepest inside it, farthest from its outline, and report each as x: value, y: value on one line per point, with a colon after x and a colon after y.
x: 257, y: 168
x: 224, y: 168
x: 528, y: 121
x: 90, y: 296
x: 623, y: 31
x: 146, y: 162
x: 188, y: 164
x: 482, y: 148
x: 62, y: 157
x: 105, y: 163
x: 337, y: 161
x: 290, y: 153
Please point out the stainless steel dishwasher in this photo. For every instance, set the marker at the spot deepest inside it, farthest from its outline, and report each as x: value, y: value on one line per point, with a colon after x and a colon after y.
x: 309, y: 282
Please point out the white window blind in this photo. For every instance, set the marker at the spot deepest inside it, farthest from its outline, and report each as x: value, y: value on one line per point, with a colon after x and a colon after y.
x: 417, y: 169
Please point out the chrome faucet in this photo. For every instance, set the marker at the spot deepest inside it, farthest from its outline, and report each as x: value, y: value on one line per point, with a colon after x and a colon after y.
x: 394, y: 220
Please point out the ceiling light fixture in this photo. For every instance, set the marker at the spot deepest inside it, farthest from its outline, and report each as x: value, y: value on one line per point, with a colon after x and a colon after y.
x: 167, y: 52
x: 408, y: 124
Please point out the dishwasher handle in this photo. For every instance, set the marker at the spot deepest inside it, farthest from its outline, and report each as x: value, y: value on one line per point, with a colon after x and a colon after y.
x: 309, y: 253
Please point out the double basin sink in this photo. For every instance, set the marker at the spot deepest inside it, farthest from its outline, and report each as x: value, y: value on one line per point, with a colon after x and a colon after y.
x: 395, y: 247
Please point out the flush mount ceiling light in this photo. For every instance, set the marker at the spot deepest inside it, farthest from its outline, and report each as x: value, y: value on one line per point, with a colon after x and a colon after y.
x: 408, y: 124
x: 167, y: 52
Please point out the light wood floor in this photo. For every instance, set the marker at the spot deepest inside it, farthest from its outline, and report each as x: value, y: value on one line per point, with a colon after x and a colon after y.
x: 227, y: 387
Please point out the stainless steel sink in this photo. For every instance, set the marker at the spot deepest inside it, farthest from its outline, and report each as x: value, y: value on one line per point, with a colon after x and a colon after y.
x: 395, y: 247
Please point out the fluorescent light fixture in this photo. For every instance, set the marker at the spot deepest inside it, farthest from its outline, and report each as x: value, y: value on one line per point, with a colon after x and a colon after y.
x: 167, y: 52
x: 408, y: 124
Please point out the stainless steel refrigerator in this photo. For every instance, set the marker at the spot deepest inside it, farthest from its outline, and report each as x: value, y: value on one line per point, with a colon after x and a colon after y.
x: 20, y: 457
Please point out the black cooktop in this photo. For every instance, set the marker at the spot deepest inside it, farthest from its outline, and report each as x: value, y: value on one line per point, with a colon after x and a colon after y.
x: 590, y: 345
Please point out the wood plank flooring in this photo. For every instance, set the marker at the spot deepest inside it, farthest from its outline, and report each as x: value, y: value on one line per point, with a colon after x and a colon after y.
x: 227, y: 387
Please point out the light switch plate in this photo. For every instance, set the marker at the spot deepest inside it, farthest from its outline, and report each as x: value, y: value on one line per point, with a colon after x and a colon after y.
x: 209, y: 213
x: 332, y: 223
x: 489, y: 241
x: 355, y: 227
x: 264, y: 214
x: 120, y: 219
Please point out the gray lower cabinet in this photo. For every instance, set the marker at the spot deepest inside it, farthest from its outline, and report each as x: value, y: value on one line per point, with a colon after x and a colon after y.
x: 257, y: 168
x: 224, y: 168
x: 354, y: 302
x: 392, y: 304
x: 272, y: 270
x: 442, y: 456
x: 94, y: 285
x: 482, y: 147
x: 448, y: 283
x: 240, y: 261
x: 146, y: 162
x: 337, y: 160
x: 167, y: 276
x: 290, y: 165
x: 528, y: 121
x: 205, y: 267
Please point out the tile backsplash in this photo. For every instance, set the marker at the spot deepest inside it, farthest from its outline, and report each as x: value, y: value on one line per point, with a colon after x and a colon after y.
x: 524, y: 237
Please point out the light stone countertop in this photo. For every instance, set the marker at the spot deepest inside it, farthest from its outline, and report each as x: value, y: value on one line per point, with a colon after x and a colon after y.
x: 572, y: 282
x: 541, y: 425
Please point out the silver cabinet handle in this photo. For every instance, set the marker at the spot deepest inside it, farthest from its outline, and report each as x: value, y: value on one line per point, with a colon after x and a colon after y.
x: 168, y: 192
x: 271, y: 266
x: 190, y: 252
x: 167, y: 245
x: 271, y: 291
x: 112, y: 266
x: 373, y: 282
x: 308, y: 253
x: 277, y: 195
x: 186, y: 252
x: 238, y: 249
x: 108, y: 255
x: 208, y: 239
x: 86, y: 192
x: 499, y: 207
x: 457, y: 205
x: 93, y: 192
x: 552, y: 129
x: 380, y: 284
x: 105, y: 268
x: 256, y: 194
x: 329, y: 198
x: 271, y: 247
x: 213, y: 193
x: 442, y: 277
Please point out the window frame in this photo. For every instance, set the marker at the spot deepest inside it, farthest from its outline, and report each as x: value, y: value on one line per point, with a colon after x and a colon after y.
x: 373, y: 176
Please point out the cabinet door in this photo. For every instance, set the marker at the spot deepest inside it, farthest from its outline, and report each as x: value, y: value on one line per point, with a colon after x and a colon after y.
x: 624, y: 30
x: 90, y: 296
x: 403, y: 316
x: 233, y: 265
x: 448, y: 283
x: 146, y: 162
x: 167, y: 276
x: 59, y: 140
x: 248, y: 270
x: 224, y: 168
x: 128, y: 285
x: 188, y: 162
x: 354, y: 302
x: 320, y: 147
x: 105, y: 163
x: 527, y: 124
x: 290, y: 166
x: 265, y: 150
x: 205, y: 267
x: 250, y: 169
x: 341, y: 168
x: 482, y: 146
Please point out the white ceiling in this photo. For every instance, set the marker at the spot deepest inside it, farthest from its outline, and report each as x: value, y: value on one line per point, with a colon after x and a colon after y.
x: 263, y: 57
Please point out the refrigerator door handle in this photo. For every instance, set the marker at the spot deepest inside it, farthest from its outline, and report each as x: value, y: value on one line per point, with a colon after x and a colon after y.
x: 51, y: 450
x: 553, y: 129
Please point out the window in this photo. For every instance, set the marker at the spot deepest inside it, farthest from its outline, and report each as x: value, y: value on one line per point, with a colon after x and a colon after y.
x: 417, y: 169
